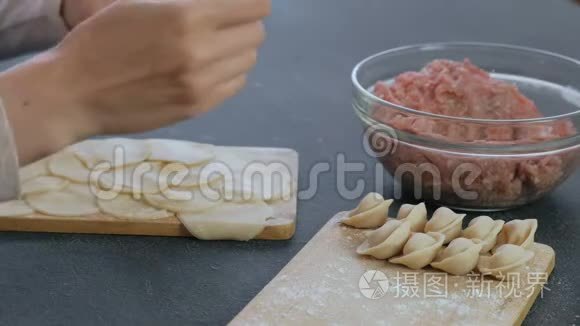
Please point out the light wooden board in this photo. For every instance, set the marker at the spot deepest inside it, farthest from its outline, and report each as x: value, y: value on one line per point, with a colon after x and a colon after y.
x: 281, y: 227
x: 320, y: 286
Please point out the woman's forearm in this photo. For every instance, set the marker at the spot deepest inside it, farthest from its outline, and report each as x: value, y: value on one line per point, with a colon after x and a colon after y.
x: 37, y: 101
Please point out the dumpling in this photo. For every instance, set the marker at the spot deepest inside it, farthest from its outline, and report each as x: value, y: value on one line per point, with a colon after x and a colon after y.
x: 485, y: 229
x: 447, y: 222
x: 518, y: 232
x: 508, y: 258
x: 459, y: 257
x: 420, y: 250
x: 416, y: 214
x: 370, y: 213
x: 386, y: 241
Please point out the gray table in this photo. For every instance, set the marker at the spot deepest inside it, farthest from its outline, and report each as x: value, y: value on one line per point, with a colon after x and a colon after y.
x: 298, y: 97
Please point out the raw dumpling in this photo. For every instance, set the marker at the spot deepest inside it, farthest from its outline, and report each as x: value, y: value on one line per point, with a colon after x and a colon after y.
x: 420, y: 250
x: 370, y: 213
x: 447, y: 222
x: 15, y: 208
x: 459, y: 257
x: 507, y: 259
x: 416, y: 214
x: 43, y: 184
x: 386, y: 241
x: 518, y: 232
x: 485, y: 229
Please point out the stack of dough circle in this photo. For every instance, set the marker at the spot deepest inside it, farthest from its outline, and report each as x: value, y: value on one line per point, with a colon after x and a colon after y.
x: 416, y: 242
x: 133, y: 179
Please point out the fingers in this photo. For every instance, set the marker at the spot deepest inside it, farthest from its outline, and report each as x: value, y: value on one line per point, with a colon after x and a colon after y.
x: 223, y: 92
x: 235, y: 39
x: 226, y: 69
x: 224, y: 43
x: 227, y: 13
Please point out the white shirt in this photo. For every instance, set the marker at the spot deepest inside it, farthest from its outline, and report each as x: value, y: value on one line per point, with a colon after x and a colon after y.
x: 9, y: 180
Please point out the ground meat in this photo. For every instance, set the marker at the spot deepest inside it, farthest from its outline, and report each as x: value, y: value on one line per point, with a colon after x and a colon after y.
x: 461, y: 89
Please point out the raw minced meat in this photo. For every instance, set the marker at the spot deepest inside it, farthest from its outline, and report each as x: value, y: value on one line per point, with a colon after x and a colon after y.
x: 461, y: 89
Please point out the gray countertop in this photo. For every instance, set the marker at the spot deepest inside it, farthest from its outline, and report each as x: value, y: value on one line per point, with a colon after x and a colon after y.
x: 298, y: 97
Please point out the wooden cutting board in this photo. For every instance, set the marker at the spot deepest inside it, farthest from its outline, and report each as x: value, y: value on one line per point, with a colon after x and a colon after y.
x: 281, y: 227
x: 322, y: 286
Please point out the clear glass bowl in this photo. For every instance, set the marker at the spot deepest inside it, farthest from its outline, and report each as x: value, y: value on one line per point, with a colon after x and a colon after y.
x: 465, y: 163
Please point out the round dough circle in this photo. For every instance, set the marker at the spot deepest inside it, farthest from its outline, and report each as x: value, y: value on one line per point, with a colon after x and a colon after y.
x: 67, y: 165
x: 229, y: 221
x: 93, y: 152
x: 34, y: 170
x: 141, y: 178
x: 124, y: 206
x: 198, y: 201
x: 43, y: 184
x: 67, y: 202
x: 15, y: 208
x: 179, y: 151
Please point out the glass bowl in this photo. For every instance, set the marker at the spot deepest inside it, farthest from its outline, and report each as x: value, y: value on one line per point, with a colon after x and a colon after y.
x: 468, y: 163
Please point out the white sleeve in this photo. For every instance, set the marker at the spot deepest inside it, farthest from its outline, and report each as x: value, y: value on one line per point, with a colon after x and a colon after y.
x: 9, y: 179
x: 27, y: 25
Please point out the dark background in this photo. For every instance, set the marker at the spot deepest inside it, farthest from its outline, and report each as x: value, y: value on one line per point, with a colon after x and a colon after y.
x: 299, y: 97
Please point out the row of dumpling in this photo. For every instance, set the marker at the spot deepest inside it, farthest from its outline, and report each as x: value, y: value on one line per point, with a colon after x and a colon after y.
x: 412, y: 240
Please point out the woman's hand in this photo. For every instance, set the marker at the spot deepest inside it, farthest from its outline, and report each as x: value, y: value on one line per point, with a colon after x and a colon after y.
x: 134, y: 66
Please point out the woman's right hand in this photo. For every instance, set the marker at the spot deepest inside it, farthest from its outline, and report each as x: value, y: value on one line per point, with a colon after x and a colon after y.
x: 134, y: 66
x: 139, y: 65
